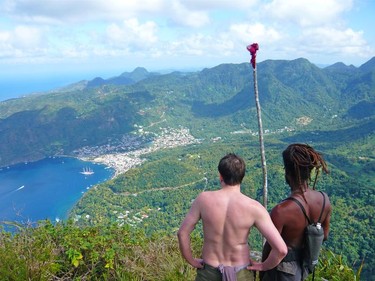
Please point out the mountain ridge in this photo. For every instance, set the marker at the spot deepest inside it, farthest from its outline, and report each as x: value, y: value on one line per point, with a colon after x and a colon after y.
x: 63, y: 121
x: 332, y: 109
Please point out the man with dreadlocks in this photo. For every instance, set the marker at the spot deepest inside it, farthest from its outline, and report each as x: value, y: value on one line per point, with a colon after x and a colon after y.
x: 300, y: 160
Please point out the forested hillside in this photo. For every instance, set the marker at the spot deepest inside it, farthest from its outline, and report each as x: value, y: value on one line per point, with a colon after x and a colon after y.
x: 158, y: 194
x: 294, y: 94
x: 331, y: 109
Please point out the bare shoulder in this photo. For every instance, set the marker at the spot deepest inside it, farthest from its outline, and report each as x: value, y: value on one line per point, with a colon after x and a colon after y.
x: 328, y: 202
x: 319, y: 199
x: 254, y: 205
x: 204, y: 196
x: 283, y: 206
x: 328, y: 206
x: 284, y: 209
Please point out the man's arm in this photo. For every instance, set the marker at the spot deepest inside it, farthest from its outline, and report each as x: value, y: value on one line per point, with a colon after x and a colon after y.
x: 183, y: 234
x: 278, y: 247
x: 278, y: 222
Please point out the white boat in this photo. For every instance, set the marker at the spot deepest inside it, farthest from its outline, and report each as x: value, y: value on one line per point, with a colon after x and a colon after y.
x: 87, y: 171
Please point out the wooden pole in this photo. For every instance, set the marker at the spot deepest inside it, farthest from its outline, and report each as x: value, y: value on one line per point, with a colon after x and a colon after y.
x: 261, y: 140
x: 253, y: 48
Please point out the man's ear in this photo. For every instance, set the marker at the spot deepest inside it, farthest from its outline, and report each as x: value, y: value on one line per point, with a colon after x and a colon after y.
x: 221, y: 178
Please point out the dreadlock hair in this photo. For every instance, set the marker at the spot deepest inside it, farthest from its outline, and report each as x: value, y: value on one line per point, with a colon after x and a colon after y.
x: 300, y: 160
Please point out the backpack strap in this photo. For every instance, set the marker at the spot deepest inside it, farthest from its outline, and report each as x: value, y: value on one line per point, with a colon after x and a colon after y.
x: 324, y: 204
x: 301, y: 206
x: 303, y: 209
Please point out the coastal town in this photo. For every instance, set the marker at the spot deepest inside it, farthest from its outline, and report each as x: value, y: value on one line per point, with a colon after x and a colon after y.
x: 128, y: 153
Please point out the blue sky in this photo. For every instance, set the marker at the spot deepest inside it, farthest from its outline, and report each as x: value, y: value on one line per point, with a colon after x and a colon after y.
x: 107, y: 37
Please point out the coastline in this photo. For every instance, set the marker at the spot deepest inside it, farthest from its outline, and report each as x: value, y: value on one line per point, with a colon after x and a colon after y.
x: 123, y: 162
x: 120, y: 162
x: 46, y: 189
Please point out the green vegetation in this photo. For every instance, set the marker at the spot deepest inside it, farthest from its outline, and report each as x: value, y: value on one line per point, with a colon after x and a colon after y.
x: 109, y: 252
x: 131, y: 219
x: 335, y: 267
x: 294, y: 94
x: 175, y: 177
x: 66, y: 252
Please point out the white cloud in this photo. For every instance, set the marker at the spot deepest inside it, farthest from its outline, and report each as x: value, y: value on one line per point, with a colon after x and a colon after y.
x: 218, y: 4
x: 193, y: 45
x: 6, y: 49
x: 180, y: 15
x: 333, y: 41
x: 165, y: 29
x: 4, y: 37
x: 201, y: 45
x: 133, y: 34
x: 72, y: 11
x: 316, y: 30
x: 192, y: 13
x: 22, y: 41
x: 26, y: 37
x: 321, y: 45
x: 250, y: 33
x: 306, y: 12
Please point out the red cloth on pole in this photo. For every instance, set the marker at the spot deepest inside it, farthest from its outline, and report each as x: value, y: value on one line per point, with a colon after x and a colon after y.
x: 253, y: 48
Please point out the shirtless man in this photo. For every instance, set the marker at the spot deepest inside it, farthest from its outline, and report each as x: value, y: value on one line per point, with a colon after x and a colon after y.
x: 227, y: 216
x: 299, y: 161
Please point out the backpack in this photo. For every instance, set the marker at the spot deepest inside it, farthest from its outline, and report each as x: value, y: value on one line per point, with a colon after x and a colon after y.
x: 313, y: 238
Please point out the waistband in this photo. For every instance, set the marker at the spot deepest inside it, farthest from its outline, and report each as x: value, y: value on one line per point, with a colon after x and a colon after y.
x: 221, y: 266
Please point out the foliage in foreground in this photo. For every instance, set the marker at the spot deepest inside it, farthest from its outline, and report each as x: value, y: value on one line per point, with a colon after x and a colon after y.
x: 67, y: 252
x: 335, y: 268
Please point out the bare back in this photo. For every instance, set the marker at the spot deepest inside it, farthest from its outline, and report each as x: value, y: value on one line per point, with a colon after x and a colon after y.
x: 227, y: 217
x: 290, y: 221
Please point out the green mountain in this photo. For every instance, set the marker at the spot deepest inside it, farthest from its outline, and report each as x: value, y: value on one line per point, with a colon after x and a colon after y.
x: 294, y: 94
x: 126, y: 78
x: 331, y: 108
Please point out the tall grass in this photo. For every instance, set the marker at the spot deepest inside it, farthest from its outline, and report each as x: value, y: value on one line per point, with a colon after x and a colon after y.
x: 67, y: 252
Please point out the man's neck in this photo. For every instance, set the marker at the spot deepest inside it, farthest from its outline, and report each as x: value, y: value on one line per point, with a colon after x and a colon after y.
x: 299, y: 189
x: 230, y: 187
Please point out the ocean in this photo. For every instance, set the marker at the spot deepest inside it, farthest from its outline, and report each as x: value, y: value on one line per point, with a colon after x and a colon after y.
x: 11, y: 87
x: 46, y: 189
x: 16, y: 85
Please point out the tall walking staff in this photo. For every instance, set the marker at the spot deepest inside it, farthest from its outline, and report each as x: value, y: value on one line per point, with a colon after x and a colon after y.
x: 253, y: 48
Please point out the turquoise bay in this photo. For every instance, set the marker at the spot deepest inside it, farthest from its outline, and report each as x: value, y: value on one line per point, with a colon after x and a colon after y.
x: 46, y: 189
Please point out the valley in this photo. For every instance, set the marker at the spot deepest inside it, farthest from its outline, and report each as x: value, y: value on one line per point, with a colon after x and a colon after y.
x: 164, y: 134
